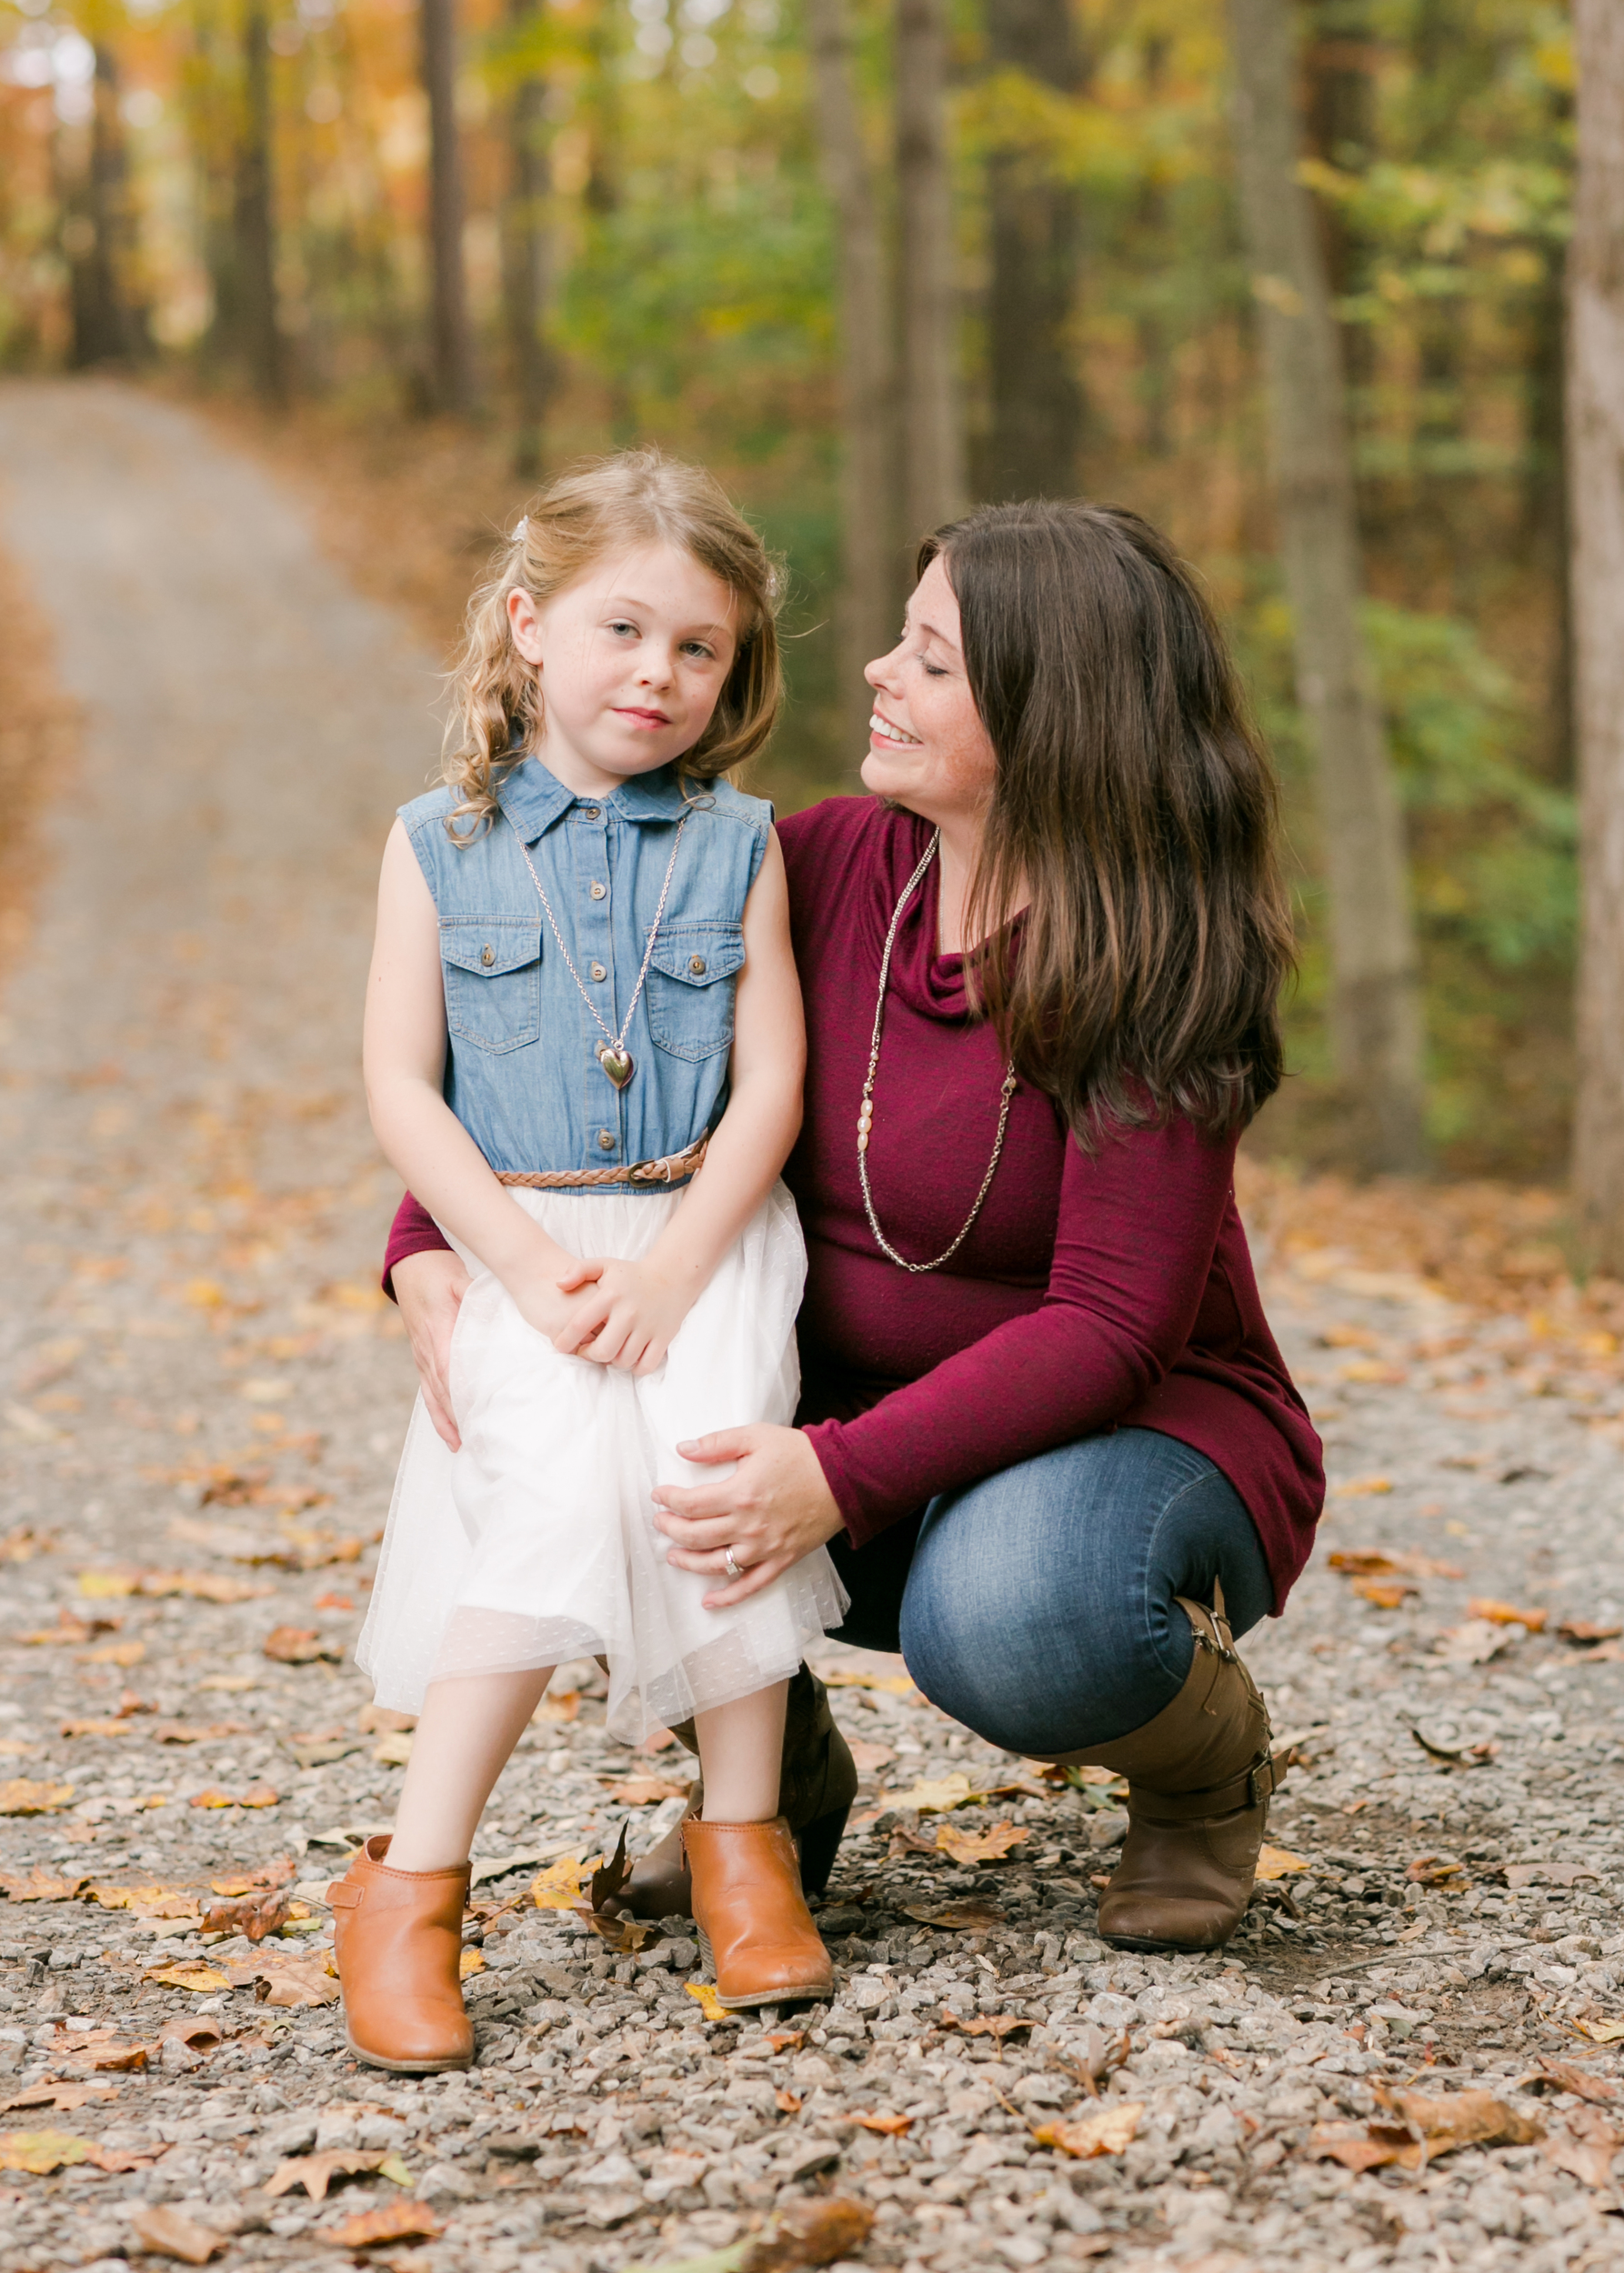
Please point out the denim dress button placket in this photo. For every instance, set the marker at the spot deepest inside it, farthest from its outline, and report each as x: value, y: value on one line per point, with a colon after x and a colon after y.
x: 595, y: 949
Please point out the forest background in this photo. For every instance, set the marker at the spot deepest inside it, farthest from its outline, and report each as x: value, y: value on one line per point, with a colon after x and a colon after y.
x: 425, y: 252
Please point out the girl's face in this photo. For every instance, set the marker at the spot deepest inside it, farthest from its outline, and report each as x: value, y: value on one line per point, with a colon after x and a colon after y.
x: 927, y: 749
x: 632, y: 660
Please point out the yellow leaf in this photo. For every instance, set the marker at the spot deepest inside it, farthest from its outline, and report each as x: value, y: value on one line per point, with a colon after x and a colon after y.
x: 41, y: 2152
x: 1278, y: 1862
x: 1363, y: 1487
x: 1506, y: 1614
x: 1107, y: 2131
x: 1603, y: 2031
x: 394, y: 1750
x: 704, y: 1996
x: 938, y: 1795
x: 980, y: 1847
x: 471, y: 1962
x: 197, y: 1978
x: 108, y: 1585
x: 395, y: 2170
x: 21, y: 1797
x: 558, y: 1887
x: 892, y: 1684
x: 204, y: 1294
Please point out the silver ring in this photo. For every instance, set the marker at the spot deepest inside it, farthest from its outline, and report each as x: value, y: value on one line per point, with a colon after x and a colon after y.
x: 734, y: 1569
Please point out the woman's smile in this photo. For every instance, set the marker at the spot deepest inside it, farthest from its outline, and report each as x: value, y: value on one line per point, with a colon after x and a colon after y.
x: 881, y: 730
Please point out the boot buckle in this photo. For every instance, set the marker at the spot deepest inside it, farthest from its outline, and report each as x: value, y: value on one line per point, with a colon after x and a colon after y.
x: 1258, y: 1789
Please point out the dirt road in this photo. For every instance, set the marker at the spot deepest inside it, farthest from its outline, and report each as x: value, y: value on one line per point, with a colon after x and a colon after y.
x: 201, y: 1399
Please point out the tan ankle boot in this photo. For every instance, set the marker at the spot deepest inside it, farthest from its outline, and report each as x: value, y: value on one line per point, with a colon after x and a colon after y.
x: 754, y: 1929
x: 397, y: 1938
x: 818, y: 1784
x: 1199, y: 1777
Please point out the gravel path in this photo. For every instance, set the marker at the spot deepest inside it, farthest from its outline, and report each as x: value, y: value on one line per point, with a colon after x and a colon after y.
x: 201, y: 1397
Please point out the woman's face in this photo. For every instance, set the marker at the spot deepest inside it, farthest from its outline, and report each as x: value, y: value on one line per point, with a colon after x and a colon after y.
x: 927, y: 749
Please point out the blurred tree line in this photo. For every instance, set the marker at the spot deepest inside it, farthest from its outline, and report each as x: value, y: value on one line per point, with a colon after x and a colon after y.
x: 875, y: 259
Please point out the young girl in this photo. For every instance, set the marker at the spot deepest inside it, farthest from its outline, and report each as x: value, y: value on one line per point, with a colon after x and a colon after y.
x: 584, y: 1050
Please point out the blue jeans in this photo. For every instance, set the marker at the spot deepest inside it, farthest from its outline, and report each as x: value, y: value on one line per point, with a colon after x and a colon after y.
x: 1037, y: 1607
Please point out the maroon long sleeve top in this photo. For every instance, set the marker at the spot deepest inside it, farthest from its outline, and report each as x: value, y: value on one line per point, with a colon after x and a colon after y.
x: 1101, y: 1290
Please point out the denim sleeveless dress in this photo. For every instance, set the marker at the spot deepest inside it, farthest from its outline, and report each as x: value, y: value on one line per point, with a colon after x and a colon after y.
x: 536, y: 1542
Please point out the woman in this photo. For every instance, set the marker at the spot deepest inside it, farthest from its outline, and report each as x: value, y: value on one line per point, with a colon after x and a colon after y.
x: 1045, y: 1429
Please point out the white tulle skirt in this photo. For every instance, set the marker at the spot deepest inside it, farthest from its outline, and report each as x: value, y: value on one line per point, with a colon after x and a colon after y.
x: 536, y: 1543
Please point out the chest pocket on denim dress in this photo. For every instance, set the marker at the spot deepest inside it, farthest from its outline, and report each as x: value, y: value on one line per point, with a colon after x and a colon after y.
x: 691, y: 986
x: 493, y: 981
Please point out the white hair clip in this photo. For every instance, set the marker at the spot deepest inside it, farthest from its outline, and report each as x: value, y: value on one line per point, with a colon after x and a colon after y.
x: 522, y: 531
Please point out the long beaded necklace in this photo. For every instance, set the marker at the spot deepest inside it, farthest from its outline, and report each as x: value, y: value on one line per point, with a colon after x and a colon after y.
x: 866, y: 1117
x: 613, y: 1055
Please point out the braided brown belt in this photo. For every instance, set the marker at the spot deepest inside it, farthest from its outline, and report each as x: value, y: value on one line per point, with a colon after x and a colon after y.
x: 674, y: 1168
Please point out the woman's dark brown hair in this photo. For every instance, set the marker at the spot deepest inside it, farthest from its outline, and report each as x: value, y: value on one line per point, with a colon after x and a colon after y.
x: 1133, y: 812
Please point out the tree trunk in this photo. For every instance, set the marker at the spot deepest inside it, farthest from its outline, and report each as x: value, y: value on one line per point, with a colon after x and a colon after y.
x: 864, y: 615
x: 97, y: 233
x: 1596, y: 461
x: 260, y: 339
x: 524, y: 258
x: 1036, y: 227
x: 1374, y: 1005
x: 450, y: 338
x: 934, y: 484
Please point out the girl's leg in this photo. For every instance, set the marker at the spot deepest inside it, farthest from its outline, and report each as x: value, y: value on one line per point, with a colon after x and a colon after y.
x: 754, y: 1929
x: 466, y: 1734
x: 741, y: 1747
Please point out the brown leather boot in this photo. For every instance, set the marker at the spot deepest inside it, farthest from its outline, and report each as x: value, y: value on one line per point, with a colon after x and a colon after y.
x: 816, y: 1786
x: 398, y: 1937
x: 754, y: 1930
x: 1199, y: 1777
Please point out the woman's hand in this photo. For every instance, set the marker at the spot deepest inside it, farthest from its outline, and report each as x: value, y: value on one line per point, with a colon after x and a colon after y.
x: 429, y: 1287
x: 774, y: 1508
x: 630, y: 1317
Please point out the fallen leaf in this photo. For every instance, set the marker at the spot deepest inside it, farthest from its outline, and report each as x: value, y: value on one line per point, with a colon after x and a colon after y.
x: 787, y: 2103
x: 995, y: 2025
x: 980, y: 1847
x: 1565, y: 2077
x: 41, y: 1887
x: 704, y: 1996
x: 1506, y: 1614
x: 394, y: 1750
x: 286, y: 1984
x: 336, y: 1601
x: 195, y: 2031
x: 813, y: 2230
x: 151, y: 1901
x: 125, y: 1654
x: 19, y: 1797
x: 254, y: 1915
x: 1417, y: 2126
x: 1477, y: 1755
x: 1472, y: 1643
x: 105, y: 2058
x: 41, y: 2152
x: 1385, y: 1594
x: 471, y: 1962
x: 202, y: 1585
x: 558, y: 1887
x: 383, y: 1720
x: 1107, y: 2131
x: 844, y: 1678
x: 1436, y: 1870
x: 1390, y: 1563
x: 787, y: 2040
x: 938, y: 1795
x: 1548, y: 1874
x: 868, y: 1758
x: 566, y: 1706
x: 191, y: 1976
x: 298, y: 1645
x: 964, y: 1917
x: 1583, y: 1632
x: 1585, y: 2146
x: 620, y: 1933
x: 62, y: 2097
x: 394, y: 2221
x: 235, y: 1682
x: 1362, y: 1488
x: 278, y: 1874
x: 256, y: 1796
x: 169, y: 2233
x: 195, y: 1731
x: 1278, y: 1862
x: 642, y: 1791
x: 1603, y: 2031
x: 315, y: 2173
x: 95, y: 1728
x: 888, y: 2126
x: 609, y: 1877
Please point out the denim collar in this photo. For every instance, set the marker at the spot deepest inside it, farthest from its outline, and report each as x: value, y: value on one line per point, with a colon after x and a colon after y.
x: 533, y: 798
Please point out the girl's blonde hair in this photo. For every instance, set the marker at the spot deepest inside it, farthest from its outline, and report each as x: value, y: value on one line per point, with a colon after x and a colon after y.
x: 636, y: 497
